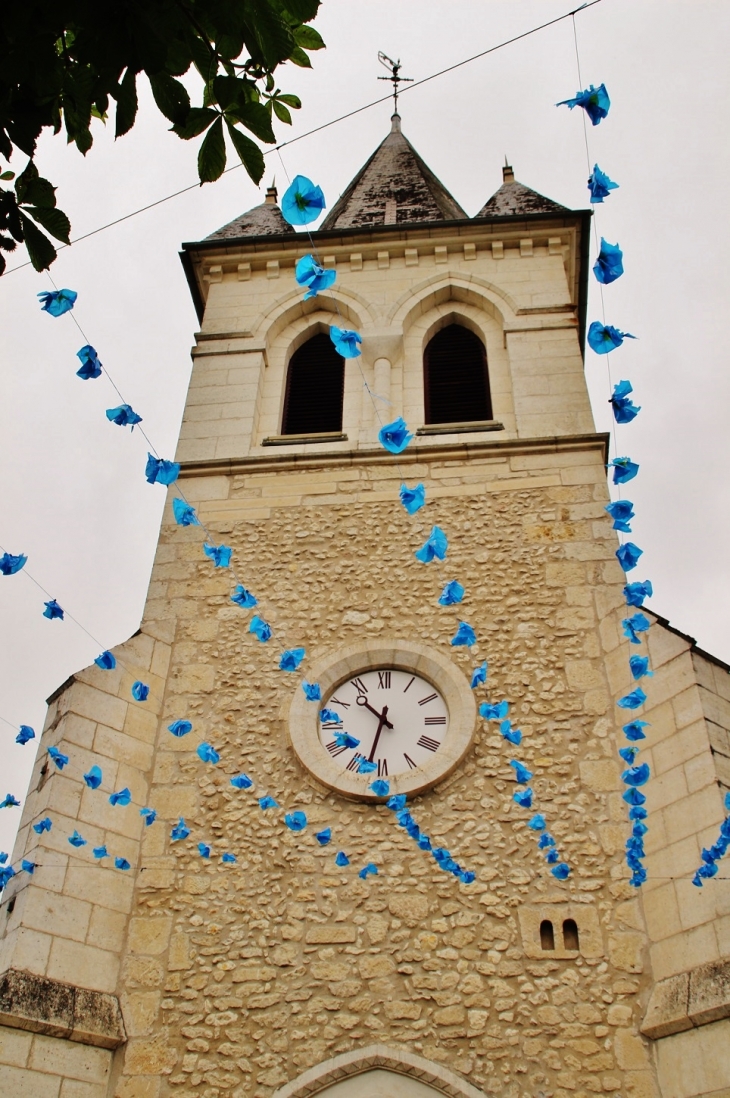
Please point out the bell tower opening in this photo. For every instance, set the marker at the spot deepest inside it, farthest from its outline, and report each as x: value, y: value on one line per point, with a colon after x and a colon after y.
x: 315, y: 385
x: 455, y: 377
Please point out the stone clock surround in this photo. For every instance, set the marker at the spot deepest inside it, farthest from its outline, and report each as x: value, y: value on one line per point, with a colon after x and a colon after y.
x: 404, y: 655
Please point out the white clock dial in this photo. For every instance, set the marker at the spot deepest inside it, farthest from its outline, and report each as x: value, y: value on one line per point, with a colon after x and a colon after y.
x: 400, y: 719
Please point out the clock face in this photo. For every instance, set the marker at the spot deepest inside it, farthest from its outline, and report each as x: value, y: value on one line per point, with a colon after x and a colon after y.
x: 400, y: 719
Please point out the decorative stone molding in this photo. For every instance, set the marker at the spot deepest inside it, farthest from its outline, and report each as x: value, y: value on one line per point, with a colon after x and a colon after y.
x: 40, y: 1005
x: 688, y: 1000
x: 361, y: 1060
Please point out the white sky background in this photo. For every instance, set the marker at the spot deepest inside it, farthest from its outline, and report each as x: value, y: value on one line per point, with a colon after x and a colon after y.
x: 72, y: 491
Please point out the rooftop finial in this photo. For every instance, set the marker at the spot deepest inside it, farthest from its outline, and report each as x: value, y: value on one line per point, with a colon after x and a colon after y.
x: 395, y: 78
x: 271, y: 193
x: 508, y: 176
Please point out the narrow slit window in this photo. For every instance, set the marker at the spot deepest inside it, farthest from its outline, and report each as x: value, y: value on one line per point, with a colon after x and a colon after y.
x: 547, y: 934
x: 456, y: 379
x: 570, y: 934
x: 315, y: 384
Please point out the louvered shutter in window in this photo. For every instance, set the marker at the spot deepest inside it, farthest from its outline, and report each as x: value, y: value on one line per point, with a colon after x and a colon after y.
x: 456, y: 380
x: 314, y: 389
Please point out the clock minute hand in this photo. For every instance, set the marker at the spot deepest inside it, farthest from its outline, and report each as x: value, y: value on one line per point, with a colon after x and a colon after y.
x: 362, y: 700
x: 383, y: 723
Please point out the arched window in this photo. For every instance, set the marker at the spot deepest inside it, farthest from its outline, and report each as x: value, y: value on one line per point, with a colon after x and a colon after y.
x: 570, y: 934
x: 315, y: 384
x: 547, y: 935
x: 456, y: 382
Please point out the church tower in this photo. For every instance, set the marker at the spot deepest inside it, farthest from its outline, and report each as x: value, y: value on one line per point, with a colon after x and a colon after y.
x: 292, y: 970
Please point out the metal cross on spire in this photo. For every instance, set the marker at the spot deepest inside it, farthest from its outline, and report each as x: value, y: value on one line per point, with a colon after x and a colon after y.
x: 395, y: 78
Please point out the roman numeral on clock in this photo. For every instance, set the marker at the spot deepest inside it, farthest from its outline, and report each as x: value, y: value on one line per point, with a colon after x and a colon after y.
x: 332, y: 726
x: 383, y: 680
x: 382, y: 768
x: 355, y: 762
x: 359, y: 686
x: 335, y: 749
x: 430, y: 698
x: 336, y: 701
x: 434, y: 720
x: 409, y: 760
x: 409, y: 684
x: 428, y: 743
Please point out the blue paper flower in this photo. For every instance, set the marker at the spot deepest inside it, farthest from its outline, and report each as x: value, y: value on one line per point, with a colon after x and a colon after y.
x: 510, y: 734
x: 3, y: 857
x: 636, y: 775
x: 122, y: 797
x: 106, y: 661
x: 380, y: 787
x: 545, y: 841
x: 295, y: 821
x: 603, y: 338
x: 267, y: 802
x: 160, y: 471
x: 229, y: 859
x: 93, y: 777
x: 633, y: 730
x: 636, y: 812
x: 479, y: 675
x: 149, y: 814
x: 303, y: 202
x: 494, y: 712
x: 309, y: 273
x: 628, y: 754
x: 90, y: 365
x: 624, y: 469
x: 58, y: 757
x: 123, y: 416
x: 341, y: 858
x: 635, y: 593
x: 6, y: 874
x: 260, y: 628
x: 628, y: 555
x: 76, y: 839
x: 10, y: 564
x: 100, y: 852
x: 291, y: 658
x: 368, y: 870
x: 633, y: 797
x: 366, y: 767
x: 312, y: 691
x: 633, y: 700
x: 552, y: 856
x: 537, y: 823
x: 621, y: 511
x: 180, y: 728
x: 600, y: 185
x: 523, y: 797
x: 394, y: 437
x: 329, y: 716
x: 452, y: 593
x: 639, y: 666
x: 609, y: 265
x: 204, y: 850
x: 43, y: 825
x: 207, y: 753
x: 413, y: 499
x: 435, y: 546
x: 594, y: 101
x: 25, y: 734
x: 623, y: 408
x: 467, y: 876
x: 522, y: 774
x: 637, y: 623
x: 57, y: 302
x: 323, y: 837
x: 241, y: 781
x: 53, y: 610
x: 121, y: 863
x: 140, y: 691
x: 344, y: 739
x: 396, y: 803
x: 219, y: 554
x: 180, y: 830
x: 464, y: 635
x: 561, y: 871
x: 345, y: 341
x: 184, y: 513
x: 243, y: 598
x: 424, y: 842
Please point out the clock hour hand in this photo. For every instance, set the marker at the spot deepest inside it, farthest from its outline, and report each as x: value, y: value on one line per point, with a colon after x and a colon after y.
x: 362, y: 700
x: 383, y: 723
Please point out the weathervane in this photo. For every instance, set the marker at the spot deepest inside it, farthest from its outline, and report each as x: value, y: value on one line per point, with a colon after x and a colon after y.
x: 394, y: 78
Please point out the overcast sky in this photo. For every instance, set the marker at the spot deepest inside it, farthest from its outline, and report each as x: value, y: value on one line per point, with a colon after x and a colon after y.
x: 72, y: 493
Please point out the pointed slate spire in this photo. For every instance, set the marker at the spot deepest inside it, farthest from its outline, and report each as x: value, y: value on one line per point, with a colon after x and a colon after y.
x: 263, y: 220
x: 393, y: 187
x: 513, y: 199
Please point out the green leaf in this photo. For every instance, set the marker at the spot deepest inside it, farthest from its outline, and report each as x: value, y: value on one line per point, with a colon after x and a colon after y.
x: 34, y: 190
x: 302, y: 10
x: 40, y: 250
x: 299, y: 57
x: 212, y: 154
x: 308, y: 38
x: 84, y: 141
x: 291, y: 101
x: 171, y: 97
x: 228, y: 90
x: 203, y: 59
x: 229, y: 46
x: 53, y: 221
x: 126, y: 103
x: 249, y: 153
x: 281, y: 112
x: 8, y: 175
x: 257, y: 119
x: 199, y: 118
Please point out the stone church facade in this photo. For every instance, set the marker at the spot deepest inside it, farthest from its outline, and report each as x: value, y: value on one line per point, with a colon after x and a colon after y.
x: 285, y: 975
